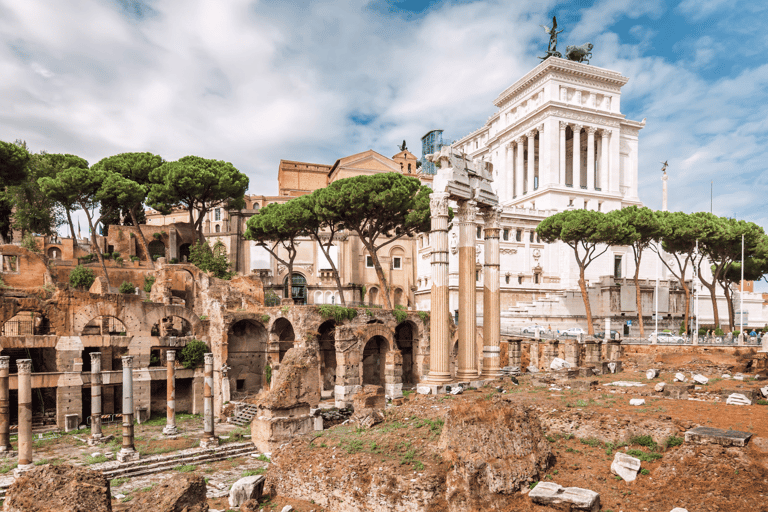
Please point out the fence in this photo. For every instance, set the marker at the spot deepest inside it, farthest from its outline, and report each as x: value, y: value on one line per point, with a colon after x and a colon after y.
x: 19, y: 328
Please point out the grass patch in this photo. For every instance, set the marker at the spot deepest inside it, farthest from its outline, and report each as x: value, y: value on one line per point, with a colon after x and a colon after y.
x: 762, y: 402
x: 590, y: 441
x: 263, y: 458
x: 117, y: 482
x: 646, y: 441
x: 7, y: 468
x: 645, y: 456
x: 186, y: 468
x: 673, y: 441
x: 95, y: 460
x: 644, y: 472
x: 253, y: 472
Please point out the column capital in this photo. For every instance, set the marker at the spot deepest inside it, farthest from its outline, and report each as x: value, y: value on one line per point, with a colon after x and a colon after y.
x: 531, y: 134
x: 170, y: 356
x: 591, y: 130
x: 563, y: 125
x: 491, y: 217
x: 467, y: 212
x: 576, y: 127
x: 438, y: 203
x: 519, y: 140
x: 541, y: 128
x: 24, y: 365
x: 208, y: 357
x: 95, y: 357
x: 5, y: 362
x: 127, y: 361
x: 606, y: 132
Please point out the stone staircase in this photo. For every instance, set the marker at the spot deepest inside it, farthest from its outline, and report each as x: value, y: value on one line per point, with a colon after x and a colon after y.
x: 244, y: 416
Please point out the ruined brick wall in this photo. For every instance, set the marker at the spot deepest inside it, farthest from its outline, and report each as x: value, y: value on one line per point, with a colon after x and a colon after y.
x: 23, y: 269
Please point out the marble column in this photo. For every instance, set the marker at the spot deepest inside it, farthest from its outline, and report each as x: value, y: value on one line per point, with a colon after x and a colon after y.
x: 170, y: 384
x: 209, y: 438
x: 576, y: 155
x: 509, y: 178
x: 127, y: 452
x: 24, y: 376
x: 520, y: 166
x: 561, y: 174
x: 439, y: 332
x: 591, y: 157
x: 531, y: 160
x: 96, y: 434
x: 467, y: 363
x: 5, y: 406
x: 605, y: 144
x: 491, y: 296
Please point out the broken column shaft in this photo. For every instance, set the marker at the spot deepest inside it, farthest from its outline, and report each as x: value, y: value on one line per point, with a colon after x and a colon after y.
x: 96, y: 396
x: 439, y: 339
x: 491, y: 296
x: 25, y: 413
x: 467, y: 364
x: 170, y: 426
x: 5, y: 407
x: 127, y: 452
x: 208, y: 434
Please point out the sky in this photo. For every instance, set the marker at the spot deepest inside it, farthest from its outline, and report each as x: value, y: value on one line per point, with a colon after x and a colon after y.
x: 253, y: 82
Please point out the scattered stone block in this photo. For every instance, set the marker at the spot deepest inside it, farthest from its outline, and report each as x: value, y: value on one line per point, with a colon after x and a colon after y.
x: 651, y: 374
x: 456, y: 390
x: 725, y: 376
x: 614, y: 366
x: 637, y: 401
x: 287, y: 508
x: 700, y: 379
x: 625, y: 466
x: 586, y: 371
x: 532, y: 369
x: 738, y: 399
x: 369, y: 404
x: 660, y: 386
x: 764, y: 391
x: 710, y: 435
x: 738, y: 376
x: 247, y: 488
x: 550, y: 493
x: 678, y: 509
x: 626, y: 384
x: 679, y: 377
x: 559, y: 364
x: 423, y: 390
x: 584, y: 385
x: 678, y: 391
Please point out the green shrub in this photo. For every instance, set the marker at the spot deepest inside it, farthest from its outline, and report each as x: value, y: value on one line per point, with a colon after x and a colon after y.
x: 338, y: 313
x: 115, y: 254
x: 192, y: 354
x: 268, y: 373
x: 643, y: 441
x: 718, y: 331
x: 736, y: 333
x: 156, y: 236
x: 673, y: 441
x: 424, y: 315
x: 400, y: 313
x: 271, y: 298
x: 174, y: 261
x: 134, y: 258
x: 644, y: 456
x: 29, y: 242
x: 127, y: 287
x: 81, y: 277
x: 148, y: 282
x: 213, y: 260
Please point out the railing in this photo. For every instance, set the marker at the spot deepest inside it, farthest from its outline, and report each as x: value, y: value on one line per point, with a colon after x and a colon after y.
x: 19, y: 328
x: 524, y: 332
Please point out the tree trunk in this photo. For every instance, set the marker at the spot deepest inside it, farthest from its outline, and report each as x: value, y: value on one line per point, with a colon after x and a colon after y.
x: 379, y: 273
x: 71, y: 226
x: 687, y: 292
x: 713, y: 295
x: 95, y: 246
x: 639, y: 297
x: 141, y: 236
x: 729, y: 303
x: 326, y: 252
x: 585, y: 296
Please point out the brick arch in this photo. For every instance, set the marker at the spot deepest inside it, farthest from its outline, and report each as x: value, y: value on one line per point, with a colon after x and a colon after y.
x: 136, y: 317
x: 372, y: 330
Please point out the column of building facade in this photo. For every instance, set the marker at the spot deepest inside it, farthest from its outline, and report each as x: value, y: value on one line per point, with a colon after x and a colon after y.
x: 531, y: 160
x: 467, y: 363
x: 576, y: 155
x: 491, y: 295
x: 5, y: 406
x: 519, y: 166
x: 591, y: 157
x: 439, y: 332
x: 209, y: 438
x: 127, y: 451
x: 96, y: 381
x: 170, y: 380
x: 24, y: 376
x: 561, y: 174
x: 605, y: 135
x: 509, y: 178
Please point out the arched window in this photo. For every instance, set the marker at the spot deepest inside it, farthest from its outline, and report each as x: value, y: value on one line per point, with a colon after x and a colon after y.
x: 217, y: 228
x: 298, y: 288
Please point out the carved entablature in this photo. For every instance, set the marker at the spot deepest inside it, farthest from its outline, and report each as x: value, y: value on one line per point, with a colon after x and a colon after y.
x: 464, y: 179
x: 508, y: 250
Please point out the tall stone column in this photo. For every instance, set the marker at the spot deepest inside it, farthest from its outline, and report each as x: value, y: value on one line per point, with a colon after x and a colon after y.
x: 170, y: 383
x: 520, y: 166
x: 467, y: 364
x: 25, y: 413
x: 127, y: 452
x: 604, y: 169
x: 591, y: 157
x: 95, y: 398
x: 531, y: 160
x: 5, y: 406
x: 576, y: 155
x: 439, y: 333
x: 509, y: 178
x: 563, y: 125
x: 209, y: 438
x: 491, y: 296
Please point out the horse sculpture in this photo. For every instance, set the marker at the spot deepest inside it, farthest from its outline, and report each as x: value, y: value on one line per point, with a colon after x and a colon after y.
x: 579, y: 53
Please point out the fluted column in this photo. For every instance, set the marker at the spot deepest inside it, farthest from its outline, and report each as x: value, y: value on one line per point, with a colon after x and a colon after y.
x: 127, y: 452
x: 5, y: 406
x: 591, y: 157
x: 170, y: 384
x: 95, y: 397
x: 509, y: 178
x: 439, y: 333
x: 519, y: 167
x: 209, y: 438
x: 531, y: 159
x: 576, y: 155
x: 491, y: 295
x: 561, y: 174
x: 25, y: 413
x: 606, y: 135
x: 467, y: 364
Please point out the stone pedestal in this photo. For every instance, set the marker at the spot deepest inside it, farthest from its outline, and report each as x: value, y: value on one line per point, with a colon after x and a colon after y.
x: 572, y: 351
x: 170, y: 422
x: 127, y: 452
x: 514, y: 352
x: 393, y: 374
x: 491, y: 296
x: 613, y: 350
x: 439, y: 332
x: 534, y: 354
x: 591, y: 353
x: 467, y: 360
x: 25, y: 413
x: 550, y: 352
x: 274, y: 427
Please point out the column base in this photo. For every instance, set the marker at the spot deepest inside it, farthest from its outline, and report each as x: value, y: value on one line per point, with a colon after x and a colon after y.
x: 491, y: 374
x: 127, y: 455
x: 466, y: 375
x: 21, y: 469
x: 437, y: 378
x: 210, y: 442
x: 170, y: 430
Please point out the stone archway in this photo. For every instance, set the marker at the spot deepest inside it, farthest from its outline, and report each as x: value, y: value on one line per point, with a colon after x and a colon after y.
x: 247, y: 342
x: 327, y: 342
x: 406, y: 340
x: 374, y: 361
x: 282, y: 332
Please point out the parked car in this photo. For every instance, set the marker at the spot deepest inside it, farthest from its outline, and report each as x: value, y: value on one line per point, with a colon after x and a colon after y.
x: 601, y: 335
x: 531, y: 329
x: 666, y: 337
x: 573, y: 332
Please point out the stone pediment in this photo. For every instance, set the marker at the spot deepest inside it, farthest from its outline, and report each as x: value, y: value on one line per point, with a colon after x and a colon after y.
x: 368, y: 160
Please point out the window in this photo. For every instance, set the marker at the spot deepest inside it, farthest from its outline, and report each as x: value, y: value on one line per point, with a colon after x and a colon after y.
x: 368, y: 262
x: 479, y: 232
x: 519, y: 279
x: 506, y: 279
x: 532, y: 233
x: 536, y: 278
x: 519, y: 235
x: 599, y: 207
x: 506, y: 237
x: 409, y: 168
x: 217, y: 228
x: 217, y: 214
x: 617, y: 267
x: 396, y: 262
x: 477, y: 275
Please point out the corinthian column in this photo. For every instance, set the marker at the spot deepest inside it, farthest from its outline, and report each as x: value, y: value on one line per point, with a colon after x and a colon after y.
x: 519, y: 168
x: 531, y: 159
x: 25, y: 413
x: 562, y: 153
x: 491, y: 296
x: 439, y: 334
x: 576, y: 155
x: 606, y: 135
x: 591, y: 157
x: 467, y: 364
x: 95, y: 398
x: 509, y: 178
x: 170, y: 388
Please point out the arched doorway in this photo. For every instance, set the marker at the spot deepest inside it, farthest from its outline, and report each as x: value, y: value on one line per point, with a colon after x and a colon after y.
x: 373, y: 295
x: 156, y: 249
x: 54, y: 253
x: 184, y: 253
x: 298, y: 288
x: 373, y: 361
x: 406, y: 342
x: 327, y: 332
x: 172, y: 326
x: 398, y: 297
x: 283, y: 331
x: 247, y: 357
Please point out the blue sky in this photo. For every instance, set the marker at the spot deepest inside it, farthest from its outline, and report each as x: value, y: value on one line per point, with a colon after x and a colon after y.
x: 254, y: 82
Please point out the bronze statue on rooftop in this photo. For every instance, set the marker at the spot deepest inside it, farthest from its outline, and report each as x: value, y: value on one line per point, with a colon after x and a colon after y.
x: 553, y: 32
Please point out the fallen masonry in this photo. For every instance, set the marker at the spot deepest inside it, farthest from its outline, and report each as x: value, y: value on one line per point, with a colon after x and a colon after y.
x: 709, y: 435
x: 550, y: 493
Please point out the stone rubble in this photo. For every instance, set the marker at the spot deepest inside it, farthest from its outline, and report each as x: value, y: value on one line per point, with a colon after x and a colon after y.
x: 559, y: 364
x: 651, y: 374
x: 738, y: 399
x: 679, y: 377
x: 625, y: 466
x: 550, y: 493
x: 637, y: 401
x: 700, y: 379
x: 660, y: 386
x: 247, y: 488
